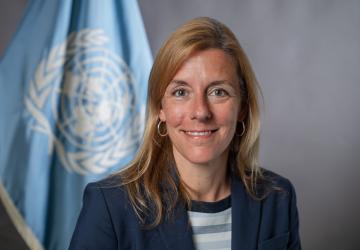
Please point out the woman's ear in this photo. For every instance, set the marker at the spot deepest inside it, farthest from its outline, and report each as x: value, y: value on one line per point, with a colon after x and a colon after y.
x: 162, y: 115
x: 243, y: 112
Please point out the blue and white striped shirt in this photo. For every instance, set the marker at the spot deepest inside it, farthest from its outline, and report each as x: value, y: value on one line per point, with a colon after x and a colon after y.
x: 211, y: 224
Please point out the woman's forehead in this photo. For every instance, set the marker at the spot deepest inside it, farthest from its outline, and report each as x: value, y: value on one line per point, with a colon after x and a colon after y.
x: 212, y: 65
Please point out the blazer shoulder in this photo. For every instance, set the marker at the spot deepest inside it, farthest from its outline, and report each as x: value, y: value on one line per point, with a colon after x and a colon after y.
x: 95, y: 227
x: 275, y: 184
x: 113, y: 192
x: 281, y: 203
x: 104, y: 216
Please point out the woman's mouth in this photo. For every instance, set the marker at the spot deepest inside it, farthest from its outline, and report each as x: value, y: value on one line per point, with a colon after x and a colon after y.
x: 199, y: 133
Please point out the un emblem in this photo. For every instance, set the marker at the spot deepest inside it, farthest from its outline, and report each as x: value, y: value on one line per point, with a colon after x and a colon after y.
x: 82, y: 98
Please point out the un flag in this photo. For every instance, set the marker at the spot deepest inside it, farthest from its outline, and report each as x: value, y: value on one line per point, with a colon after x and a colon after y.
x: 73, y: 88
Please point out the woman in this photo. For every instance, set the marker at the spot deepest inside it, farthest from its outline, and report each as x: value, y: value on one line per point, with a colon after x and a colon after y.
x: 195, y: 183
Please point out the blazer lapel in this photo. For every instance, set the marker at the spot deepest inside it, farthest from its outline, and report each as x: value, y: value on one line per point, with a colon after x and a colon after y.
x: 176, y: 231
x: 245, y: 217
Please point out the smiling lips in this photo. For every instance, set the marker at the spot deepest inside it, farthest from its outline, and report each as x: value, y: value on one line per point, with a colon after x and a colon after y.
x: 199, y: 133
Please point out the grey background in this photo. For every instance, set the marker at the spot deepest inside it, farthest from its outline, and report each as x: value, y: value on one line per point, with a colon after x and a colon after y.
x: 306, y: 55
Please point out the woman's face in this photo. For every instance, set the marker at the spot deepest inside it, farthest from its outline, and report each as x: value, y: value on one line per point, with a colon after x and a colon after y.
x: 201, y: 107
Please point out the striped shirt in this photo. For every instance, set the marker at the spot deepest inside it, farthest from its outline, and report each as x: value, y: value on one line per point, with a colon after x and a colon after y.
x: 211, y: 224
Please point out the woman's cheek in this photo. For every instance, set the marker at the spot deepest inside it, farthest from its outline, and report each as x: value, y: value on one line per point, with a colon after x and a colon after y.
x: 175, y: 115
x: 226, y: 114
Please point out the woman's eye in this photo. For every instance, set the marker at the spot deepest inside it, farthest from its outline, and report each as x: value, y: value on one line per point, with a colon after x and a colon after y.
x: 219, y: 92
x: 179, y: 92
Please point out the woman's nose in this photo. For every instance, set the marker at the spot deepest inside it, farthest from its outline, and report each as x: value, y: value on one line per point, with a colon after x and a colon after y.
x: 200, y: 109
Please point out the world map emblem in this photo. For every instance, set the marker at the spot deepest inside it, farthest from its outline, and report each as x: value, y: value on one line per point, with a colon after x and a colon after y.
x: 82, y: 98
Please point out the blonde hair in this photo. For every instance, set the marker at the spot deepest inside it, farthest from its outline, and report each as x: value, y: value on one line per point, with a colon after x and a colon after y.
x: 151, y: 180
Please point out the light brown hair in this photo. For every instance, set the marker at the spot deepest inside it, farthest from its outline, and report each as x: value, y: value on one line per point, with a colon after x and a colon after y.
x: 151, y: 180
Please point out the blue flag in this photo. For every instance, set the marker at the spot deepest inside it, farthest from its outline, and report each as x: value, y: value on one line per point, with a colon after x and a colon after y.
x: 73, y: 88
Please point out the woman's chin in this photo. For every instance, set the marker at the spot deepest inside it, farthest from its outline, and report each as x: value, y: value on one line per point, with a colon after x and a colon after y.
x: 202, y: 157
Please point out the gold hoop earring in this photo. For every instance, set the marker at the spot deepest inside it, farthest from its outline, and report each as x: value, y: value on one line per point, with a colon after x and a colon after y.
x: 159, y: 129
x: 243, y: 129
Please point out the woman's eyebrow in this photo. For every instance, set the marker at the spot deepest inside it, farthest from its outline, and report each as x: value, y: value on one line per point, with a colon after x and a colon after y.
x: 216, y: 82
x: 222, y: 82
x: 179, y: 82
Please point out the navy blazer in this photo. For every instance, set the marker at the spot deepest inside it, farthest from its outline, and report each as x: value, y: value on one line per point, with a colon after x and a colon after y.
x: 107, y: 221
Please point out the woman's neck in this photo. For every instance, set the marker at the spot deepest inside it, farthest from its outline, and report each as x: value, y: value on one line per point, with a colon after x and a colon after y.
x: 205, y: 182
